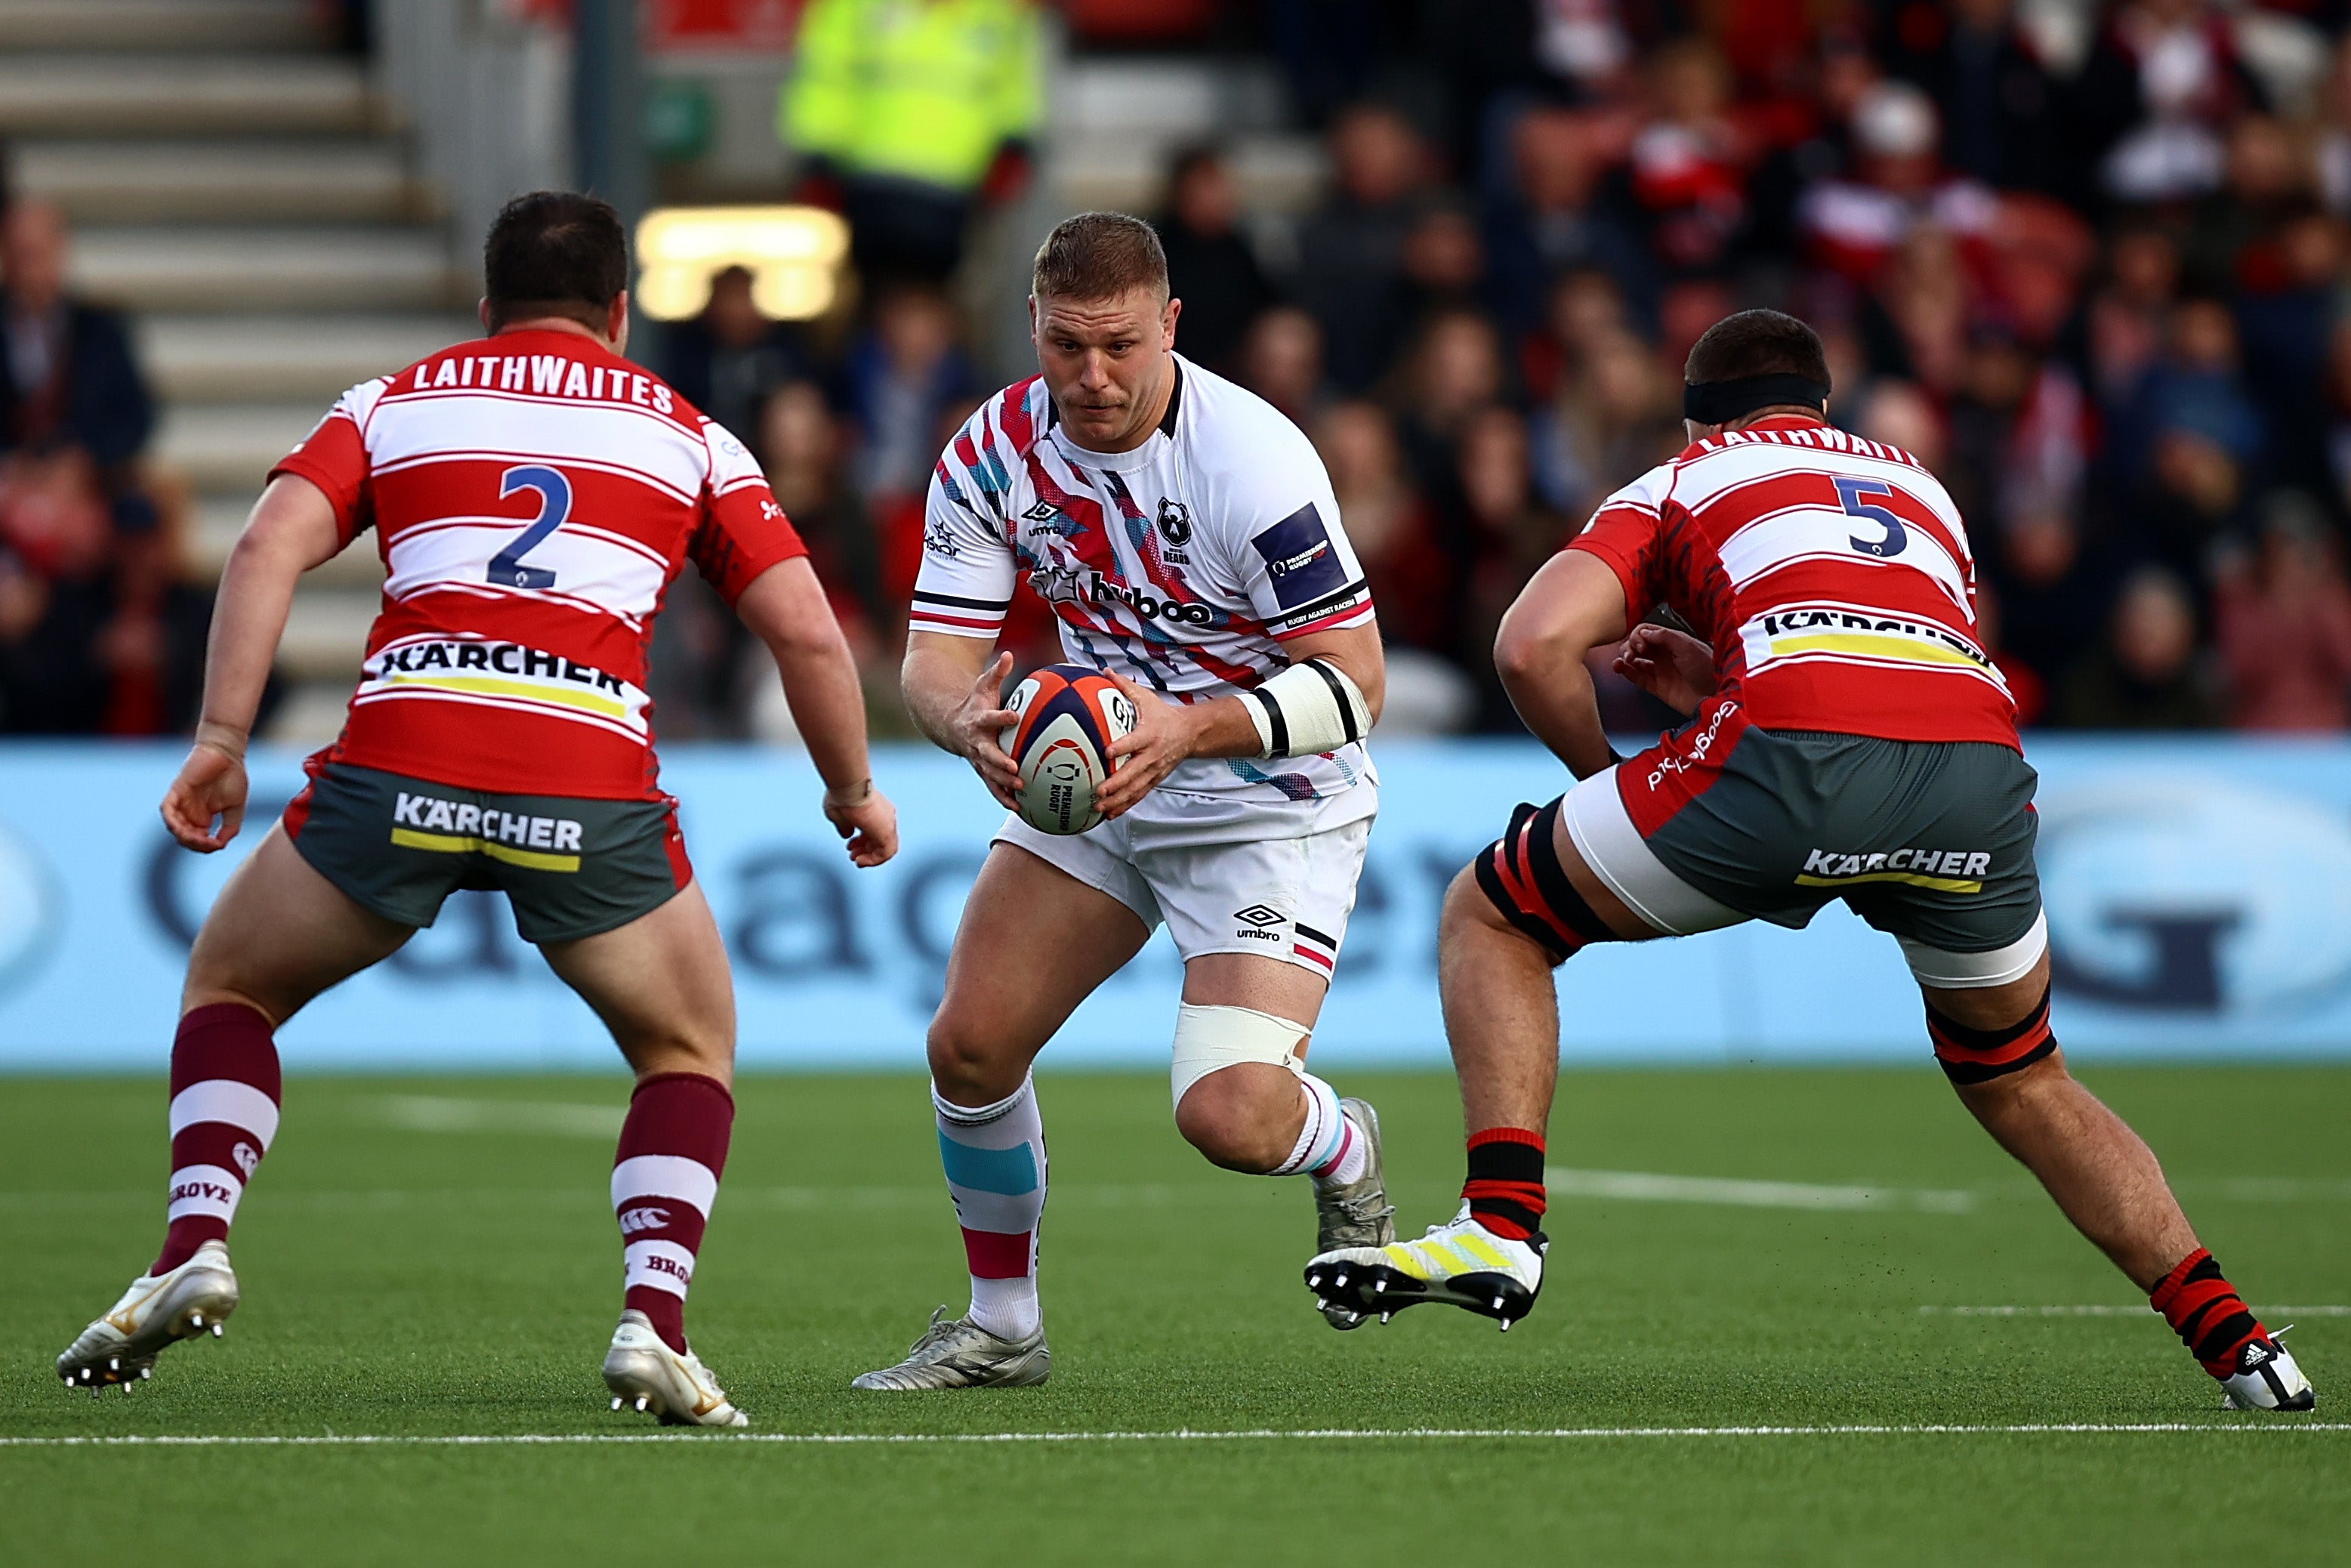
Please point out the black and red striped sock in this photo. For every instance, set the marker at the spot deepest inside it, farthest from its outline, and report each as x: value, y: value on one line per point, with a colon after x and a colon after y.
x: 2205, y: 1311
x: 1505, y: 1189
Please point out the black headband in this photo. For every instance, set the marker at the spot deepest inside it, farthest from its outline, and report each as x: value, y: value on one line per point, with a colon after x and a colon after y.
x: 1720, y: 402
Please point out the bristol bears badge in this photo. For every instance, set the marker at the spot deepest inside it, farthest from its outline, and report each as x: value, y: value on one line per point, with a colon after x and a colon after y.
x: 1175, y: 521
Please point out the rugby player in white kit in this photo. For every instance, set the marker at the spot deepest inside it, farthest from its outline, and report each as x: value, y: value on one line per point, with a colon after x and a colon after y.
x: 1184, y: 534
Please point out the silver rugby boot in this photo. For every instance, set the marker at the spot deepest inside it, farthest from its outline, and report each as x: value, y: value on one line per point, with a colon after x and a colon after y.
x: 157, y: 1310
x: 955, y: 1353
x: 674, y: 1387
x: 1356, y: 1213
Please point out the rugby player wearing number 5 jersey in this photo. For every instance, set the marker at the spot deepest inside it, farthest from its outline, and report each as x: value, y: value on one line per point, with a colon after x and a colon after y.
x: 532, y: 494
x: 1850, y: 739
x: 1184, y: 534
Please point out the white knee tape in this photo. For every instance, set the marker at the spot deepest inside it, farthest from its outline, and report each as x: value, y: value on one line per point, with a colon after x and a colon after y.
x: 1209, y: 1040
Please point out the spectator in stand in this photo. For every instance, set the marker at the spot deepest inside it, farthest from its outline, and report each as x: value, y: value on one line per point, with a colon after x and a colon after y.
x: 1351, y: 251
x: 1548, y: 221
x: 99, y: 633
x: 728, y: 358
x: 900, y: 377
x: 1281, y: 361
x: 2152, y: 100
x: 800, y: 446
x: 2282, y: 623
x: 1915, y: 322
x: 2195, y: 503
x: 1688, y: 165
x: 1996, y: 100
x: 1853, y: 226
x: 1586, y: 309
x: 1510, y: 533
x: 1453, y: 370
x: 2145, y: 674
x: 1902, y: 415
x: 1211, y: 267
x: 909, y: 114
x: 70, y: 381
x: 1413, y: 581
x: 1611, y: 422
x: 2055, y: 593
x: 1444, y: 262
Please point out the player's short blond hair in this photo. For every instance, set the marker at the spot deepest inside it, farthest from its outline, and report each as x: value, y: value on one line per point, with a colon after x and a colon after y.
x: 1099, y: 255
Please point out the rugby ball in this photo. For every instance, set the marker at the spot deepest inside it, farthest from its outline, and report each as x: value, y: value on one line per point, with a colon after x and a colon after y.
x: 1068, y: 716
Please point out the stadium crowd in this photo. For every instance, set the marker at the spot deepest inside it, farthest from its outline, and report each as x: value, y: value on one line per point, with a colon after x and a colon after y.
x: 2101, y: 292
x: 2097, y: 283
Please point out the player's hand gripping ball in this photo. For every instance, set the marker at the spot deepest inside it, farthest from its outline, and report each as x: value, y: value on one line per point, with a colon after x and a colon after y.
x: 1068, y: 715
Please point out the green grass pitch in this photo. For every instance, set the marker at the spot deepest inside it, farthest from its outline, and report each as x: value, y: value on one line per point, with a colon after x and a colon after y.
x: 423, y: 1258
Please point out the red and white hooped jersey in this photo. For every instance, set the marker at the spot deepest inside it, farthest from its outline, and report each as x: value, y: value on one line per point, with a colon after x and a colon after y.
x: 1183, y: 565
x: 532, y: 496
x: 1831, y: 574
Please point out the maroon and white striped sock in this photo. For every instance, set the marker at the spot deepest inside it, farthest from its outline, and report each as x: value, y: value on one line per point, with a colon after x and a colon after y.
x: 664, y: 1177
x: 224, y: 1097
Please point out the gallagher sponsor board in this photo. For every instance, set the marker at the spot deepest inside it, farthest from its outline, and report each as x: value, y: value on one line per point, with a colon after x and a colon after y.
x: 2198, y: 896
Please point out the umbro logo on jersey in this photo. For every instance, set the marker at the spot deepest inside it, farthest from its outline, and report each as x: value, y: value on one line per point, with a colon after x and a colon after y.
x: 1259, y: 914
x: 1175, y: 521
x: 1042, y: 512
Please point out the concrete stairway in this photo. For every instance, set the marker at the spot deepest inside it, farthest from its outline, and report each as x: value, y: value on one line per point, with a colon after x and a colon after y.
x: 236, y: 184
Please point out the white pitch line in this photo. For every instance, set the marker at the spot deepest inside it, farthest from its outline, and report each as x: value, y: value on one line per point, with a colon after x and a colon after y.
x: 1645, y: 1187
x: 1183, y: 1435
x: 2140, y: 1311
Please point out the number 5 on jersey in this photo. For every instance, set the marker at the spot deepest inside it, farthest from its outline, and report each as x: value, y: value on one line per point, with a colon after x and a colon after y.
x: 1856, y: 494
x: 554, y: 492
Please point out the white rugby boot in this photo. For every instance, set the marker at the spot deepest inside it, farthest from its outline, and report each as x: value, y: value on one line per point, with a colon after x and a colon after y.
x: 2267, y: 1379
x: 1358, y: 1213
x: 955, y: 1353
x: 644, y: 1373
x: 1461, y: 1263
x: 180, y: 1303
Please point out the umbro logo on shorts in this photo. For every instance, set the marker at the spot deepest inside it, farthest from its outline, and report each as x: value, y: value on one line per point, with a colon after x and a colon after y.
x: 1254, y: 921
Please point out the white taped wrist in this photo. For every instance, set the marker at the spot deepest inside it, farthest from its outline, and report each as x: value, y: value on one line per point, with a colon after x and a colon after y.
x: 1209, y: 1040
x: 1310, y: 708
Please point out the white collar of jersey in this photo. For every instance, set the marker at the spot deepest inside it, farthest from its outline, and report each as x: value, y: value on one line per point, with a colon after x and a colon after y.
x: 1123, y: 462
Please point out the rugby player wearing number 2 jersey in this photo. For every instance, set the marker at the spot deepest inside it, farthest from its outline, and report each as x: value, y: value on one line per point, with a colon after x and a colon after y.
x: 1850, y: 740
x: 1185, y: 537
x: 532, y: 493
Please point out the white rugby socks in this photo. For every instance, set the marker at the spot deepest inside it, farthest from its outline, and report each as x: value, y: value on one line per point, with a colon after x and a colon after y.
x: 995, y: 1161
x: 1331, y: 1148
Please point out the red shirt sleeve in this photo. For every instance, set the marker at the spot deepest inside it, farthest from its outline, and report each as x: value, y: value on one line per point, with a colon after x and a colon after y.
x: 742, y: 531
x: 334, y: 458
x: 1624, y: 535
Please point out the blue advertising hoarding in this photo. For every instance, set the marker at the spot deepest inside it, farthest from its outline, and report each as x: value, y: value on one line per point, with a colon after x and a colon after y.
x: 2197, y: 894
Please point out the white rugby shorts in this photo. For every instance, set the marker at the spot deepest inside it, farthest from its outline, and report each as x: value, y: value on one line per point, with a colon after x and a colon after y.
x: 1285, y: 893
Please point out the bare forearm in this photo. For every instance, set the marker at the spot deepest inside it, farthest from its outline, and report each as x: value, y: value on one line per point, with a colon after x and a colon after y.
x: 1553, y: 695
x: 828, y: 703
x: 256, y: 592
x: 935, y: 687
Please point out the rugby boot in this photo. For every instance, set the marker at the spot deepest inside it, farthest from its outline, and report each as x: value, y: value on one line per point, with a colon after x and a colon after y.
x: 955, y: 1353
x: 644, y: 1373
x: 1461, y: 1263
x: 2267, y: 1379
x: 180, y: 1303
x: 1355, y: 1213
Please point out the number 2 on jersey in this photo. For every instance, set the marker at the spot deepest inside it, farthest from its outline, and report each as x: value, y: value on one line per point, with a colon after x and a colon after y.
x: 1856, y: 494
x: 554, y: 492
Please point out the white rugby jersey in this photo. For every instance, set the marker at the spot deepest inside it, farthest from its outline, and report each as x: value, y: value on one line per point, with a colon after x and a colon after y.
x: 1183, y: 565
